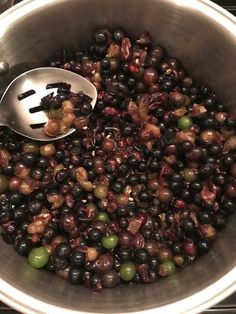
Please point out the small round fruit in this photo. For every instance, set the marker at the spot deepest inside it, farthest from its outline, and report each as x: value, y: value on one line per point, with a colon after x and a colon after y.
x: 127, y: 271
x: 100, y: 191
x: 102, y: 216
x: 38, y: 257
x: 75, y: 275
x: 110, y: 242
x: 185, y: 123
x: 167, y: 268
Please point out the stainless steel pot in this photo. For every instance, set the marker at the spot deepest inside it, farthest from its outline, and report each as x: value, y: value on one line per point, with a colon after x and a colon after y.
x: 204, y: 37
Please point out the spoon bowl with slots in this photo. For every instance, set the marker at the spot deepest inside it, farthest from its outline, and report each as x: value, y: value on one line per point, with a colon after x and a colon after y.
x: 20, y: 104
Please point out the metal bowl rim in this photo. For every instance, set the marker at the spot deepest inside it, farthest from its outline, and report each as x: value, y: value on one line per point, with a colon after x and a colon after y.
x: 218, y: 291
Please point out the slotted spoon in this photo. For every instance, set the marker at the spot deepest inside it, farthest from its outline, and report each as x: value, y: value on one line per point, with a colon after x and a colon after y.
x: 15, y: 114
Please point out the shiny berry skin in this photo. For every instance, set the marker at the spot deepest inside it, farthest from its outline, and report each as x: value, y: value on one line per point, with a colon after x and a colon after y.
x: 122, y: 211
x: 102, y: 216
x: 38, y: 257
x: 16, y: 198
x: 133, y: 68
x: 35, y: 207
x: 164, y: 254
x: 127, y: 271
x: 215, y: 149
x: 94, y: 281
x: 143, y: 178
x: 133, y: 179
x: 186, y: 146
x: 228, y: 160
x: 176, y: 249
x: 125, y: 254
x: 144, y: 196
x: 154, y: 165
x: 8, y: 170
x: 100, y: 37
x: 77, y: 190
x: 202, y: 246
x: 185, y: 123
x: 142, y: 166
x: 195, y: 186
x: 175, y: 186
x: 61, y: 176
x: 75, y: 275
x: 206, y: 171
x: 63, y: 250
x: 94, y: 236
x: 105, y: 63
x: 118, y: 35
x: 19, y: 214
x: 110, y: 242
x: 204, y: 217
x: 188, y: 226
x: 40, y: 195
x: 150, y: 76
x: 110, y: 279
x: 166, y: 269
x: 117, y: 187
x: 168, y: 85
x: 59, y: 155
x: 100, y: 191
x: 29, y: 159
x: 209, y: 102
x: 78, y: 258
x: 229, y: 206
x: 23, y: 247
x: 153, y: 262
x: 189, y: 248
x: 132, y: 161
x: 141, y: 256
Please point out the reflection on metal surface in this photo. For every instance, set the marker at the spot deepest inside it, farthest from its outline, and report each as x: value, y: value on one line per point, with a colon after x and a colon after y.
x: 5, y: 4
x: 225, y: 20
x: 4, y: 67
x: 13, y: 15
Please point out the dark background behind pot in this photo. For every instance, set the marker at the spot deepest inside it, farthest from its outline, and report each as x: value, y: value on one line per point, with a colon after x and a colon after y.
x: 228, y: 306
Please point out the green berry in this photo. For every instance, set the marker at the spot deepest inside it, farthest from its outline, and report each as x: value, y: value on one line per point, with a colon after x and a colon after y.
x: 127, y: 271
x: 167, y: 268
x: 38, y: 257
x: 102, y: 216
x: 100, y: 191
x: 185, y: 123
x: 110, y: 242
x: 189, y: 174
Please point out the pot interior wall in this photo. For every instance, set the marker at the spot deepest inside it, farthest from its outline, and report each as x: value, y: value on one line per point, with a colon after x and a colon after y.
x: 207, y: 50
